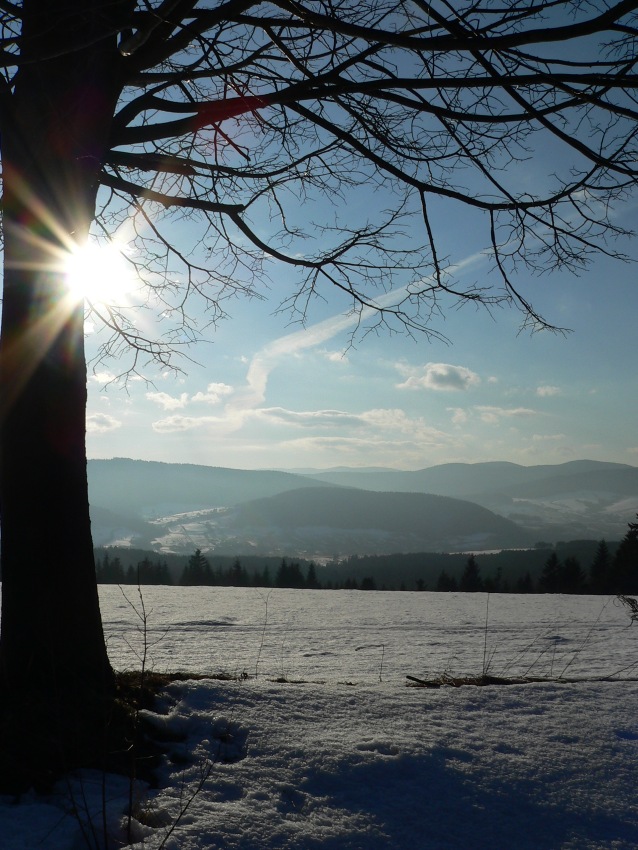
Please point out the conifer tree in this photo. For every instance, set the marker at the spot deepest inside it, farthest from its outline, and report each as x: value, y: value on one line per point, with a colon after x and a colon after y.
x: 624, y: 570
x: 600, y: 569
x: 549, y: 581
x: 471, y: 580
x: 572, y: 579
x: 446, y: 583
x: 312, y: 582
x: 197, y: 571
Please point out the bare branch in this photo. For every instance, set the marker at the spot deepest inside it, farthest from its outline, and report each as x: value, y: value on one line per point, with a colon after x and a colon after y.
x: 258, y: 122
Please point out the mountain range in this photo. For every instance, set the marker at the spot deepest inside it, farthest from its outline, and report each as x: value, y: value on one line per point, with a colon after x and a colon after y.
x: 325, y: 513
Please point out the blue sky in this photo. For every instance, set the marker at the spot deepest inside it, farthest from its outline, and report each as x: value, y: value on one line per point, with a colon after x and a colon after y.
x: 265, y: 393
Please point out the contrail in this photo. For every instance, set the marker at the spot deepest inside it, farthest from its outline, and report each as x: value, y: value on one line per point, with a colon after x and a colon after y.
x: 267, y: 358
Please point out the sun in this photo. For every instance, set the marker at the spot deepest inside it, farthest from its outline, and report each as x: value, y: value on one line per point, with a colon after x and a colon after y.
x: 99, y: 273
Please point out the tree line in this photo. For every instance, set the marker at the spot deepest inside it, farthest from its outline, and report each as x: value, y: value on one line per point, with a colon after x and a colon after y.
x: 199, y: 572
x: 610, y: 571
x: 606, y: 574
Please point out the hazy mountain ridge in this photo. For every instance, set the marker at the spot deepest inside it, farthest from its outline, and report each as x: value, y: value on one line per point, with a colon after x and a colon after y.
x: 178, y: 507
x: 152, y: 488
x: 580, y: 498
x: 462, y: 480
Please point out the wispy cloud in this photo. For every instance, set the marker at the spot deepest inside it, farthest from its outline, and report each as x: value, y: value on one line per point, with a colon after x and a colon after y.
x: 333, y: 356
x: 493, y: 415
x: 310, y: 419
x: 459, y: 415
x: 367, y: 449
x: 396, y: 421
x: 547, y: 390
x: 177, y: 423
x: 265, y: 360
x: 548, y: 438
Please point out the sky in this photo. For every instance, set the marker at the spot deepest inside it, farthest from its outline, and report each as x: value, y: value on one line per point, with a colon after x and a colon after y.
x: 264, y: 392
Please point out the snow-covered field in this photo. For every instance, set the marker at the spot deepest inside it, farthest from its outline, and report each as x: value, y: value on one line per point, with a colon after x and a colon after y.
x: 341, y: 755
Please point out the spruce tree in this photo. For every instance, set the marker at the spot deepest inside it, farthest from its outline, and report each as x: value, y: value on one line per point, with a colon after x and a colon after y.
x: 600, y: 569
x: 197, y: 571
x: 471, y: 580
x: 572, y: 579
x: 624, y: 571
x: 549, y: 581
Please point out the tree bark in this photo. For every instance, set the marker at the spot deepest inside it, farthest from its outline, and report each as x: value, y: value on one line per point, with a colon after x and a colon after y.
x: 54, y: 670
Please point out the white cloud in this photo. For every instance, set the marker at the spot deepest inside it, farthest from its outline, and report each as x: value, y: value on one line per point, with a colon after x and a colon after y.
x: 459, y: 415
x: 168, y: 402
x: 182, y: 423
x: 547, y: 390
x: 438, y: 376
x: 379, y: 424
x: 307, y: 419
x: 103, y: 378
x: 542, y: 438
x: 495, y: 414
x: 368, y: 450
x: 333, y: 356
x: 101, y: 423
x: 214, y: 393
x: 396, y: 421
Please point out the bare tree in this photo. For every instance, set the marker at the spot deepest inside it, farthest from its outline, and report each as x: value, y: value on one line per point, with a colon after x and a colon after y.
x: 241, y: 115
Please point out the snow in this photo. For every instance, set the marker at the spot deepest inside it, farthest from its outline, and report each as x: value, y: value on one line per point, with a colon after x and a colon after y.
x: 342, y: 755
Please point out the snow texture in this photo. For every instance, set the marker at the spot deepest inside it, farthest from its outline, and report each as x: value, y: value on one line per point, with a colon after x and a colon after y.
x: 342, y: 755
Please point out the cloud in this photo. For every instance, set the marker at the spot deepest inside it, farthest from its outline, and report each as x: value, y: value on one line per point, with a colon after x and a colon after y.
x: 393, y: 421
x: 459, y: 415
x: 103, y: 378
x: 369, y: 449
x: 101, y: 423
x: 214, y: 393
x: 542, y: 438
x: 351, y: 444
x: 333, y: 356
x: 495, y: 414
x: 267, y: 358
x: 546, y: 391
x: 438, y: 376
x: 168, y: 402
x: 309, y: 419
x: 378, y: 424
x: 183, y: 423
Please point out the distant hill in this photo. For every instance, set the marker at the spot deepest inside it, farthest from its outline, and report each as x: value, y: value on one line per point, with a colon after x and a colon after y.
x: 349, y: 520
x: 178, y: 507
x: 463, y: 480
x: 580, y: 498
x: 150, y: 489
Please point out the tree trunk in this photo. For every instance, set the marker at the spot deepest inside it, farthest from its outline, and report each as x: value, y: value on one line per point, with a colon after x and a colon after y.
x: 55, y: 676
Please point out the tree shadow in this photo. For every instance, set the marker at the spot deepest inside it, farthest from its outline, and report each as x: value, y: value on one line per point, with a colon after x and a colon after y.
x: 432, y: 802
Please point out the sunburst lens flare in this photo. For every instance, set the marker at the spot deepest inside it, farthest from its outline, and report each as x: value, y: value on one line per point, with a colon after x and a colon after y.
x: 99, y: 273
